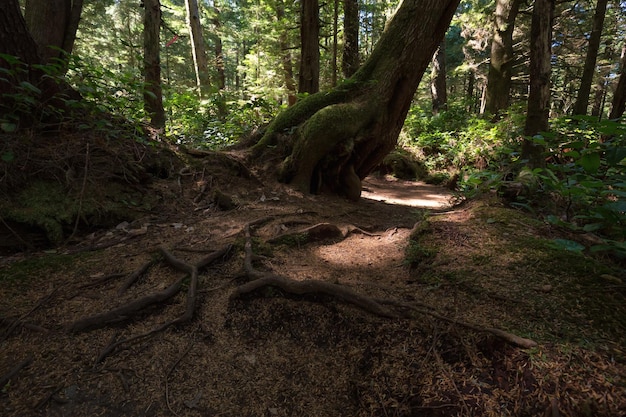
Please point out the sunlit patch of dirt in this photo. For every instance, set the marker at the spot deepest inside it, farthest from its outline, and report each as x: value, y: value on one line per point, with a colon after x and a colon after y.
x: 271, y: 353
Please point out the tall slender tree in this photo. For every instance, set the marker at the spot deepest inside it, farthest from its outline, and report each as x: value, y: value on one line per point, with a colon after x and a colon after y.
x: 285, y: 51
x: 582, y: 100
x: 198, y: 49
x: 438, y: 87
x: 618, y: 104
x: 309, y: 76
x: 219, y: 49
x: 153, y: 95
x: 502, y: 57
x: 350, y: 61
x: 538, y: 112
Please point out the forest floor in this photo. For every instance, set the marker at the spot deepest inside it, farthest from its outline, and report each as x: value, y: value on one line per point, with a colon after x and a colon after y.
x: 447, y: 275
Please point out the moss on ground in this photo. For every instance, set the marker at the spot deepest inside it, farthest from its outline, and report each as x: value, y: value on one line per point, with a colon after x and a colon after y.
x: 55, y: 210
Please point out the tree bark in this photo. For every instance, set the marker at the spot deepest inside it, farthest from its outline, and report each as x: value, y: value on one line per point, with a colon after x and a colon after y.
x: 287, y: 64
x: 153, y: 96
x: 333, y: 81
x: 309, y: 78
x: 219, y: 51
x: 198, y: 50
x: 334, y: 139
x: 502, y: 57
x: 540, y: 67
x: 53, y: 25
x: 582, y: 100
x: 16, y: 40
x: 619, y: 96
x: 438, y: 88
x: 599, y: 95
x: 350, y: 37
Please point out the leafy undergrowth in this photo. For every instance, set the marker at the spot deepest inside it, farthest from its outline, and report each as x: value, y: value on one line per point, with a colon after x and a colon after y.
x: 269, y: 353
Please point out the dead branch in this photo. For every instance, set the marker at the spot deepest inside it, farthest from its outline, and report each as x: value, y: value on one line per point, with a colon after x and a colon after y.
x: 4, y: 379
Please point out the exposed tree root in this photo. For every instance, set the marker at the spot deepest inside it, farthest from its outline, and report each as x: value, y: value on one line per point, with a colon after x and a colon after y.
x: 375, y: 306
x: 131, y: 308
x: 134, y: 277
x: 320, y: 231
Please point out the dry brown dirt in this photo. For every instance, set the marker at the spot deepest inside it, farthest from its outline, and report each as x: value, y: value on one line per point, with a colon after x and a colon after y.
x: 271, y: 353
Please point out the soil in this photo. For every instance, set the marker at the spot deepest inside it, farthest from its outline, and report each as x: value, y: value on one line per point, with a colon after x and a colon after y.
x: 275, y: 353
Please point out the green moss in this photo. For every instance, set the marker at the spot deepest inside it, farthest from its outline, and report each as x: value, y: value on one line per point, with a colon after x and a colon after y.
x: 37, y: 267
x: 303, y: 110
x: 50, y: 207
x: 403, y: 165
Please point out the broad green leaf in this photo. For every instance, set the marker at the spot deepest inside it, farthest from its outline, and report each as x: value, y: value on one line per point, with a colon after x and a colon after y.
x: 28, y: 86
x: 568, y: 245
x: 615, y: 155
x: 8, y: 127
x: 590, y: 162
x: 8, y: 156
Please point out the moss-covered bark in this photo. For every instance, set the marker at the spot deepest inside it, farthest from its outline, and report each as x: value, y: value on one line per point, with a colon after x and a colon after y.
x: 339, y: 136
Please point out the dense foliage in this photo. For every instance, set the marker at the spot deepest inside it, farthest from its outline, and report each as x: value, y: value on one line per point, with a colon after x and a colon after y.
x: 582, y: 186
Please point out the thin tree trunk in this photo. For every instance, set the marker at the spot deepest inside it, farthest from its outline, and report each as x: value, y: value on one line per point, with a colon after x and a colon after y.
x: 502, y: 57
x: 438, y: 87
x: 599, y: 97
x: 539, y: 96
x: 309, y: 78
x: 333, y: 80
x: 287, y: 64
x: 198, y: 50
x: 153, y: 96
x: 219, y: 50
x: 582, y: 100
x: 619, y: 96
x: 350, y: 37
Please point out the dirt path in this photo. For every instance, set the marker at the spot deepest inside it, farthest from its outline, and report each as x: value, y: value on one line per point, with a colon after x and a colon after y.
x: 271, y: 353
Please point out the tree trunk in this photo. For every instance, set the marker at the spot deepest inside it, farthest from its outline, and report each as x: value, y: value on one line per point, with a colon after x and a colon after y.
x: 198, y: 50
x: 219, y: 51
x: 350, y: 37
x: 539, y: 96
x: 53, y: 25
x: 153, y: 96
x: 16, y: 40
x: 619, y: 96
x: 599, y: 95
x: 582, y: 100
x: 502, y: 57
x: 333, y: 81
x: 338, y: 137
x: 285, y: 51
x: 438, y: 87
x: 309, y: 78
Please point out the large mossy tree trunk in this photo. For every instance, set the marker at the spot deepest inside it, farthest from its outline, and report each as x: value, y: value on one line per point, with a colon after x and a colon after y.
x: 335, y: 138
